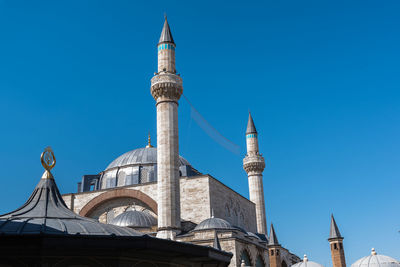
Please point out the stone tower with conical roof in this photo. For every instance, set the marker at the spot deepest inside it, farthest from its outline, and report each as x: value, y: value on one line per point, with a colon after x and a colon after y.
x: 166, y: 89
x: 336, y: 242
x: 274, y: 249
x: 254, y: 165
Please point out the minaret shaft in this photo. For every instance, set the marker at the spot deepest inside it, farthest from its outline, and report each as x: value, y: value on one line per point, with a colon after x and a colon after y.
x: 168, y: 168
x: 337, y: 252
x: 166, y: 89
x: 166, y: 58
x: 256, y: 193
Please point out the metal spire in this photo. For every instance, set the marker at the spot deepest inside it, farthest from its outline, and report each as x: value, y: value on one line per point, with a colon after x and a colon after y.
x: 273, y: 240
x: 166, y: 35
x: 251, y: 128
x: 149, y: 141
x: 334, y: 232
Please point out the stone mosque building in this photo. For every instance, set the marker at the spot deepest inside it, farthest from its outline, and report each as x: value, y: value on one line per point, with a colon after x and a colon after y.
x: 156, y: 191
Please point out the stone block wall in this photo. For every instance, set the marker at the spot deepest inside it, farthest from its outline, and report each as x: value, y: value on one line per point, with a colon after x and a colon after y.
x: 231, y: 206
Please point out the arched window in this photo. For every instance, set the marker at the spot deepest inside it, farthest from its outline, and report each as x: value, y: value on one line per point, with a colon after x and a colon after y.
x: 284, y: 264
x: 259, y: 262
x: 246, y: 257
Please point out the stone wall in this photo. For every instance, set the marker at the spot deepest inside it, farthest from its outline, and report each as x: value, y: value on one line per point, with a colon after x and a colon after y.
x: 199, y: 195
x: 231, y: 206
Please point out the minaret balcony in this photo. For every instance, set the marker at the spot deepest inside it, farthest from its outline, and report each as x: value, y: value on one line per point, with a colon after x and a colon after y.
x: 166, y: 86
x: 254, y: 164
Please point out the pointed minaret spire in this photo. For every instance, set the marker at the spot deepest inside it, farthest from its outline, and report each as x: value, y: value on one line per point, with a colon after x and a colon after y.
x: 334, y: 232
x: 273, y: 240
x: 166, y: 35
x: 251, y: 128
x: 336, y: 242
x: 216, y: 243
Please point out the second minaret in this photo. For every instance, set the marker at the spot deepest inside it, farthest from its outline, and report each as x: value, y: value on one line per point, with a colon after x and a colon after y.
x: 254, y: 165
x: 166, y: 89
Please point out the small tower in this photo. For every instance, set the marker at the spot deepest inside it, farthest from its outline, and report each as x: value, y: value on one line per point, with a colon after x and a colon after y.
x: 274, y: 249
x: 336, y: 243
x: 166, y: 89
x: 254, y: 165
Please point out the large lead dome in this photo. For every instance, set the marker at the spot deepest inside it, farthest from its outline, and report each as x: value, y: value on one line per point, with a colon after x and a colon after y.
x: 137, y: 166
x: 140, y: 156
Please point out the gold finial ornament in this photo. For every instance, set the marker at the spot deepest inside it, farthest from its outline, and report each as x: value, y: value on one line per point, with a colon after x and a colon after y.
x: 48, y: 161
x: 149, y: 141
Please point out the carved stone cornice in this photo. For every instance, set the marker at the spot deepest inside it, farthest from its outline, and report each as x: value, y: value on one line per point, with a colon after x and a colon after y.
x: 254, y: 164
x: 166, y: 87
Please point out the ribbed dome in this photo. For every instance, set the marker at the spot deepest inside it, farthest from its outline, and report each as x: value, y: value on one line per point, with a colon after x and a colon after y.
x: 376, y: 260
x: 214, y: 223
x: 307, y: 263
x: 145, y: 155
x: 135, y: 219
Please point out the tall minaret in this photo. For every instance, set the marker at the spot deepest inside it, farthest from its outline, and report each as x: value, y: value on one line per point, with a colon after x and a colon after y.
x: 166, y: 89
x: 254, y: 165
x: 336, y: 242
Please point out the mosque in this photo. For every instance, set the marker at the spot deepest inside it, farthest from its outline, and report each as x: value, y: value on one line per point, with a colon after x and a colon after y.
x: 151, y: 204
x: 156, y: 191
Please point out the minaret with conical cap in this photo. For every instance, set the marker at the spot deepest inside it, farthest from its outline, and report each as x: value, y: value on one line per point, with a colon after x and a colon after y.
x: 166, y: 89
x: 274, y: 249
x: 254, y: 165
x: 336, y: 242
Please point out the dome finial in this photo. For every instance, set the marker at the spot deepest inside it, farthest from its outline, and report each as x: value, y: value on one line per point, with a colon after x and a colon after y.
x: 212, y: 213
x: 305, y: 259
x: 48, y: 161
x: 373, y: 252
x: 149, y: 141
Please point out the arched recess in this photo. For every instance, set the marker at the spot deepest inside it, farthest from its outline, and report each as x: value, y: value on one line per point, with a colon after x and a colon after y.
x: 284, y: 264
x: 260, y: 261
x: 118, y: 193
x: 245, y: 256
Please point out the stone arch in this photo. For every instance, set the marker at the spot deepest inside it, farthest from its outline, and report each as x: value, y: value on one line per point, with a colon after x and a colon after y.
x: 284, y: 264
x: 260, y: 261
x: 246, y: 256
x: 118, y: 193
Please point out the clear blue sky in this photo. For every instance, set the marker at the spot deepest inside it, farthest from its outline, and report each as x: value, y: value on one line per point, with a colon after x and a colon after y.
x: 320, y: 77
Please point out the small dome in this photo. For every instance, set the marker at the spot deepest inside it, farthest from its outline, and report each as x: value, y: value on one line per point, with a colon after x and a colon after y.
x: 145, y: 155
x: 307, y: 263
x: 214, y: 223
x: 375, y: 260
x: 135, y: 219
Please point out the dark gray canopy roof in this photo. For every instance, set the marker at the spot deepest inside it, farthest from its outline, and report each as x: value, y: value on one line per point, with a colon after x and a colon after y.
x: 145, y: 155
x: 166, y: 35
x: 45, y: 212
x: 135, y: 219
x: 214, y: 223
x: 334, y: 232
x: 251, y: 128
